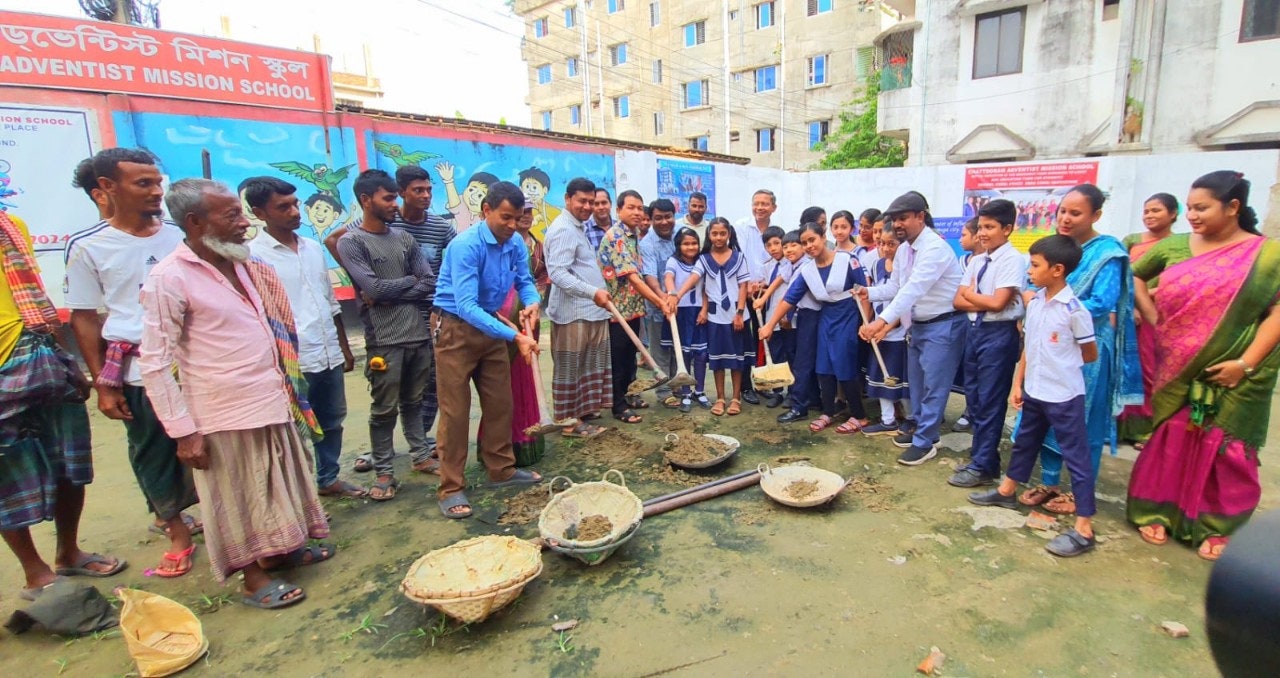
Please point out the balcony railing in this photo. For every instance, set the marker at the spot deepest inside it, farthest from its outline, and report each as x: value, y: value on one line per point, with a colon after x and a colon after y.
x: 895, y: 75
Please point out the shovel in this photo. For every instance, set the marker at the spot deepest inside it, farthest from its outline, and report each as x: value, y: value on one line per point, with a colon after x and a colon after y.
x: 889, y: 380
x: 640, y: 385
x: 545, y: 423
x: 772, y: 375
x: 682, y: 377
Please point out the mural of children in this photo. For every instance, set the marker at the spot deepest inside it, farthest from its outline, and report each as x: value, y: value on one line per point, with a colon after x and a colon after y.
x: 255, y: 224
x: 323, y: 211
x: 536, y: 184
x: 465, y: 206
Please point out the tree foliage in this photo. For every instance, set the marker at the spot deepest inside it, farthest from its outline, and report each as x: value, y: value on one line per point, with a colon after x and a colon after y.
x: 856, y: 144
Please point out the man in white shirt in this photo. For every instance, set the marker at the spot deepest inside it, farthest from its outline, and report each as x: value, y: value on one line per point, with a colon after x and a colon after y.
x: 922, y: 289
x: 323, y: 353
x: 750, y: 232
x: 696, y: 218
x: 105, y: 269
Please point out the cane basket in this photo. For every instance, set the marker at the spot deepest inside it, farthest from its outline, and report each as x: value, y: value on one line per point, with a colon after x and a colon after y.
x: 472, y: 579
x: 611, y: 500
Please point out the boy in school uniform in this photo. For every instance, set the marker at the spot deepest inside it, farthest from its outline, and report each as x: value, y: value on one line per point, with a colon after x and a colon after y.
x: 990, y: 294
x: 972, y: 247
x: 800, y: 354
x: 1049, y: 389
x: 777, y: 274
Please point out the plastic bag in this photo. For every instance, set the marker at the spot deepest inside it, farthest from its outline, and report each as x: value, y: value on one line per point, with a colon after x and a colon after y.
x: 163, y: 636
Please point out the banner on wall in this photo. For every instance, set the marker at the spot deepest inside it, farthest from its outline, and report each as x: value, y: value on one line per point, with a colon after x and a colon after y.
x: 677, y: 179
x: 35, y: 180
x: 1035, y: 188
x: 82, y: 54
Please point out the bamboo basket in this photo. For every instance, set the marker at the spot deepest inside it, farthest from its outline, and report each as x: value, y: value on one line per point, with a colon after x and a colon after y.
x: 472, y: 579
x: 611, y: 500
x: 774, y: 482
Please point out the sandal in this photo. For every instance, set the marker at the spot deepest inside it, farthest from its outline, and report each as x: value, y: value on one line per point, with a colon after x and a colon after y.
x: 453, y: 501
x: 342, y: 488
x: 718, y: 408
x: 671, y: 402
x: 307, y: 555
x: 176, y: 558
x: 583, y: 430
x: 520, y: 477
x: 384, y: 490
x: 430, y: 465
x: 735, y: 407
x: 1063, y: 504
x: 363, y: 464
x: 628, y: 417
x: 850, y: 426
x: 1216, y: 544
x: 820, y: 423
x: 1037, y: 495
x: 637, y: 402
x: 1150, y: 536
x: 272, y: 595
x: 194, y: 526
x: 80, y: 567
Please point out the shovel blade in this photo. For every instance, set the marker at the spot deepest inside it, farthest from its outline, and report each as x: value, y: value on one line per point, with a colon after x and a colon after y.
x: 682, y: 379
x: 772, y: 376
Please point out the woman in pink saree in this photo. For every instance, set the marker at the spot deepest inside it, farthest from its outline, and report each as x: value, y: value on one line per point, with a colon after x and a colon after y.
x: 1159, y: 213
x: 1217, y: 320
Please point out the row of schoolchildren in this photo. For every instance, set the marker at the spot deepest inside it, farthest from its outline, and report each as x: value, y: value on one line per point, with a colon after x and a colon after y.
x: 815, y: 316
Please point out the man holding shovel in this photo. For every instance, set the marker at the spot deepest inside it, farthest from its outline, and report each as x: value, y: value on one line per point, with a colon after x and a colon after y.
x: 480, y: 267
x: 656, y: 247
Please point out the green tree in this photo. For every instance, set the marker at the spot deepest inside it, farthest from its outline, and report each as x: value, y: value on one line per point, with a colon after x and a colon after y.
x: 856, y: 144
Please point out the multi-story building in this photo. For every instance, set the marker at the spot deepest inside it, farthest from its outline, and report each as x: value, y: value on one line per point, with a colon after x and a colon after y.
x: 764, y: 80
x: 990, y: 80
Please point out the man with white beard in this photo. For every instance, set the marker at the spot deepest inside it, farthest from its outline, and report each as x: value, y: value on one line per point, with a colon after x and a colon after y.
x: 238, y: 415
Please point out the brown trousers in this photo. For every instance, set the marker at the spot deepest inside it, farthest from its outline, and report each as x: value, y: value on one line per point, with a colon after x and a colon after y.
x: 464, y: 354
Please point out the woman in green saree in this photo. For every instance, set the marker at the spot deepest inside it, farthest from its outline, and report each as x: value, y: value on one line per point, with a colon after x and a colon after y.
x: 1217, y: 315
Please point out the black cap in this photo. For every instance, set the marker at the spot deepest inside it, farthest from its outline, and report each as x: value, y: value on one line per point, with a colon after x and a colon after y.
x: 907, y: 202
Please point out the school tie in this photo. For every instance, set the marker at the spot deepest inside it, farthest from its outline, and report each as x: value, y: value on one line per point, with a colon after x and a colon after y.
x: 977, y: 322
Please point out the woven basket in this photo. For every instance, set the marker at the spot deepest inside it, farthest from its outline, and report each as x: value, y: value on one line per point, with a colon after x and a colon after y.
x: 774, y: 482
x: 472, y: 579
x: 731, y: 442
x: 611, y: 500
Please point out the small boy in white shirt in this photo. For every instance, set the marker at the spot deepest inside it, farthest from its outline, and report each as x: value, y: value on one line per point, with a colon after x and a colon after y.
x: 1049, y: 389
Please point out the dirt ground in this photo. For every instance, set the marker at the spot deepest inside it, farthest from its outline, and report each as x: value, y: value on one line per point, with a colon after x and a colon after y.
x: 735, y: 586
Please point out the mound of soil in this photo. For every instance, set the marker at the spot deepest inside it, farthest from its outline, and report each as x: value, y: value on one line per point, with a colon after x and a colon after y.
x: 525, y: 507
x: 694, y: 449
x: 589, y: 528
x: 800, y: 490
x: 612, y: 448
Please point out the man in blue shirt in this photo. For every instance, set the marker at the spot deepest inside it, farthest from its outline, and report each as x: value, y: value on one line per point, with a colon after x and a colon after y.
x: 480, y: 267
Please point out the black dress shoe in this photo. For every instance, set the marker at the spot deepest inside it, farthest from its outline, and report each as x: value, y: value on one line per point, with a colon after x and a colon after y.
x: 791, y: 416
x: 773, y: 400
x: 750, y: 398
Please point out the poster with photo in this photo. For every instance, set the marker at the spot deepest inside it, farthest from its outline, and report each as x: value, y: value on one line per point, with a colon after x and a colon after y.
x: 677, y: 179
x: 1035, y: 188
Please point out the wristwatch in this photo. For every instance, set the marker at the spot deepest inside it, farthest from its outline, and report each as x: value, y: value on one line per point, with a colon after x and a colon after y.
x: 1245, y: 366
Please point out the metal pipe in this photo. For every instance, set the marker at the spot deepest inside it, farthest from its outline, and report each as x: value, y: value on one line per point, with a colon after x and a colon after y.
x: 716, y: 490
x: 691, y: 490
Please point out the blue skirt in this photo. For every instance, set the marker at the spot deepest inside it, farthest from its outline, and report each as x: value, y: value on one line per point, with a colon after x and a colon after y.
x: 724, y: 346
x: 693, y: 337
x: 838, y: 340
x: 895, y: 359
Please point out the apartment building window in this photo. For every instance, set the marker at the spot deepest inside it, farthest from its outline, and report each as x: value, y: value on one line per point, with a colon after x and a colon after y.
x: 657, y: 70
x: 695, y: 33
x: 655, y: 14
x: 997, y: 43
x: 700, y: 143
x: 864, y: 62
x: 1110, y: 10
x: 616, y: 6
x: 765, y: 140
x: 570, y: 17
x: 766, y: 79
x: 622, y: 106
x: 695, y: 93
x: 818, y: 70
x: 764, y: 15
x: 817, y: 7
x: 546, y: 120
x: 544, y: 74
x: 659, y: 124
x: 818, y: 131
x: 575, y: 115
x: 571, y: 67
x: 618, y: 54
x: 1261, y: 20
x: 541, y: 27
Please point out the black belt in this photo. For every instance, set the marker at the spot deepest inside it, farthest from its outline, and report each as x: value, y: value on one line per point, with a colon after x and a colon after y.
x: 448, y: 314
x: 974, y: 323
x: 936, y: 318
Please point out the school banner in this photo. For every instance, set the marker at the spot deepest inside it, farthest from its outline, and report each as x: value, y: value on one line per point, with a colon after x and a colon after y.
x: 677, y: 179
x: 1035, y: 188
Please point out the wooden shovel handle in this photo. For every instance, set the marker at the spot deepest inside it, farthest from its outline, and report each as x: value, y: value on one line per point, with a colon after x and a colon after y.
x: 768, y: 356
x: 617, y: 315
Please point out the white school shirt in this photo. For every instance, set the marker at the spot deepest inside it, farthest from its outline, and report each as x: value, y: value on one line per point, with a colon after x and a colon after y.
x: 106, y: 269
x: 751, y: 244
x: 778, y: 268
x: 306, y: 282
x: 729, y: 277
x: 925, y: 278
x: 1055, y: 330
x: 867, y: 258
x: 682, y: 272
x: 1007, y: 269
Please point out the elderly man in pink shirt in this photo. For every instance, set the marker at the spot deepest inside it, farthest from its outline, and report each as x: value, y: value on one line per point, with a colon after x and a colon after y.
x: 237, y: 415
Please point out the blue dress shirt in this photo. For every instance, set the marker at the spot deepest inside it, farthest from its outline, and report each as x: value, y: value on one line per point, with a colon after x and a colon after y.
x: 476, y: 276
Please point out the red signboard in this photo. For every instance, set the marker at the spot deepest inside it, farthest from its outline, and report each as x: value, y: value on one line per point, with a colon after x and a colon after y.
x: 46, y: 51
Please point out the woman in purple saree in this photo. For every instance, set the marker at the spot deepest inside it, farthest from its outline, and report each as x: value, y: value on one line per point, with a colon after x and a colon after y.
x: 1217, y: 315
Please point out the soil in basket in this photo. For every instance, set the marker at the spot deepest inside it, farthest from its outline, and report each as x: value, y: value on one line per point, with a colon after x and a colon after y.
x: 800, y: 490
x: 589, y: 528
x: 695, y: 449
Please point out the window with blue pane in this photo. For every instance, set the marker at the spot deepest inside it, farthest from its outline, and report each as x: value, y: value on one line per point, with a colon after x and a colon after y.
x: 571, y: 67
x: 622, y: 107
x: 695, y: 94
x: 546, y: 120
x: 764, y: 15
x: 540, y: 28
x: 700, y: 143
x: 616, y: 6
x: 818, y: 7
x: 766, y: 78
x: 544, y: 74
x: 818, y: 131
x: 570, y: 17
x: 818, y: 70
x: 575, y: 115
x: 695, y: 33
x: 764, y: 140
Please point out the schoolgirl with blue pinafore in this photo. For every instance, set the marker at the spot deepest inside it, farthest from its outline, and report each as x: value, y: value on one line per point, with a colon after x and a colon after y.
x: 693, y: 336
x: 891, y: 388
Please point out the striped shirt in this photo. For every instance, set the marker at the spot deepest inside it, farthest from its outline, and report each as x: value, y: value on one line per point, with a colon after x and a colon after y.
x: 390, y: 269
x: 575, y: 273
x: 432, y: 235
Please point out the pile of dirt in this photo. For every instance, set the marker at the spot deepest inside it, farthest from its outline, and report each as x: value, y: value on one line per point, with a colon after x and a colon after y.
x: 691, y: 449
x: 612, y: 449
x: 678, y: 424
x: 665, y: 473
x: 589, y: 528
x: 872, y: 493
x: 800, y: 490
x: 525, y: 507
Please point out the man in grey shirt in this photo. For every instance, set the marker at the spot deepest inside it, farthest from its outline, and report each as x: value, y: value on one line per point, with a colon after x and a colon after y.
x: 581, y: 383
x: 393, y: 281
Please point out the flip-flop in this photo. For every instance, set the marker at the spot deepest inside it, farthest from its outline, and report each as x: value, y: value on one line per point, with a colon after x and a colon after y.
x: 194, y: 526
x: 453, y: 501
x: 583, y: 430
x: 520, y: 477
x: 1212, y: 542
x: 298, y: 557
x: 388, y: 489
x: 363, y: 464
x: 176, y: 558
x: 274, y: 592
x: 79, y: 569
x: 671, y: 402
x: 820, y: 424
x: 850, y: 426
x: 1037, y: 495
x: 32, y: 593
x: 637, y: 402
x: 344, y: 489
x: 1152, y: 540
x: 1064, y: 504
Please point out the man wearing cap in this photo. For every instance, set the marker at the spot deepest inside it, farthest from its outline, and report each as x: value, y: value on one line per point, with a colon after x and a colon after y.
x: 920, y: 295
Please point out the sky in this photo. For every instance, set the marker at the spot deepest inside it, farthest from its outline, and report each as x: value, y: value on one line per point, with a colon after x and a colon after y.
x: 433, y: 57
